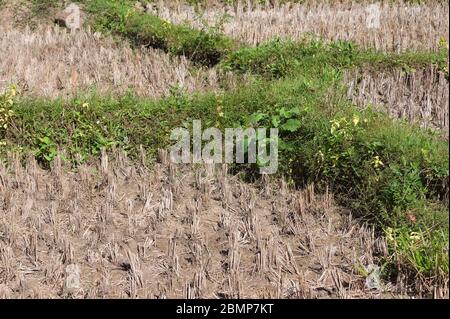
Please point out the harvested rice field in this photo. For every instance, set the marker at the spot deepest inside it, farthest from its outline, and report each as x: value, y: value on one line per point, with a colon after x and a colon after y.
x: 224, y: 149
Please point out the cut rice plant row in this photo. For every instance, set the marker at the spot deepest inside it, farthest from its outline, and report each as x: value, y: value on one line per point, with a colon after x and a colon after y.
x: 117, y: 229
x: 418, y: 96
x: 383, y: 25
x: 50, y: 62
x: 390, y: 173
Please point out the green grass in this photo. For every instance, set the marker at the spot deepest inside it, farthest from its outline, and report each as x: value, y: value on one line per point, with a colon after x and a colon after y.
x: 277, y: 58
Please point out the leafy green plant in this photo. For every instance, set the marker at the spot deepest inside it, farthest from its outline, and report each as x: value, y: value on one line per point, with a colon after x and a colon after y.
x: 7, y: 100
x: 278, y: 58
x: 46, y: 151
x: 420, y: 251
x: 6, y: 107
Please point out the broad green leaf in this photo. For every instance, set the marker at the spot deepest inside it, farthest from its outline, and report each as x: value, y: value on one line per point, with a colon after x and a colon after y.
x: 291, y: 125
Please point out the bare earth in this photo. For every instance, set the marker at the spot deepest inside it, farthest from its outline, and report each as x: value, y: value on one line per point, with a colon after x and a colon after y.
x: 114, y: 229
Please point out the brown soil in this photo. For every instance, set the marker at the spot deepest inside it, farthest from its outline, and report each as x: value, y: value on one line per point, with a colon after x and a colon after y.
x: 174, y: 231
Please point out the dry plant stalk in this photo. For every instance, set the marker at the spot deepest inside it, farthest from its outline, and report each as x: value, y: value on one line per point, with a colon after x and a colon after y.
x: 52, y: 62
x: 420, y: 96
x: 403, y: 25
x: 130, y: 238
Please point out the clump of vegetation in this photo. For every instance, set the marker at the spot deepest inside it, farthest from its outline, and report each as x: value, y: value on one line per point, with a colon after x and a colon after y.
x: 276, y: 57
x: 144, y: 29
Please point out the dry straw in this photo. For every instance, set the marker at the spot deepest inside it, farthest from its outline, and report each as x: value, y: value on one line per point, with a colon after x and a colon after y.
x: 420, y: 96
x: 279, y: 244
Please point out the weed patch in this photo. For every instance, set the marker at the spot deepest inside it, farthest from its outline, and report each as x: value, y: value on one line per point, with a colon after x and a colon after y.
x: 143, y: 29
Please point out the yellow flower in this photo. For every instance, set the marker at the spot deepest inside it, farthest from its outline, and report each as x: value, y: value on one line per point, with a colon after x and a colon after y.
x: 415, y: 237
x: 443, y: 43
x: 335, y: 125
x: 129, y: 12
x: 219, y: 111
x: 85, y: 105
x: 376, y: 162
x: 355, y: 120
x: 166, y: 23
